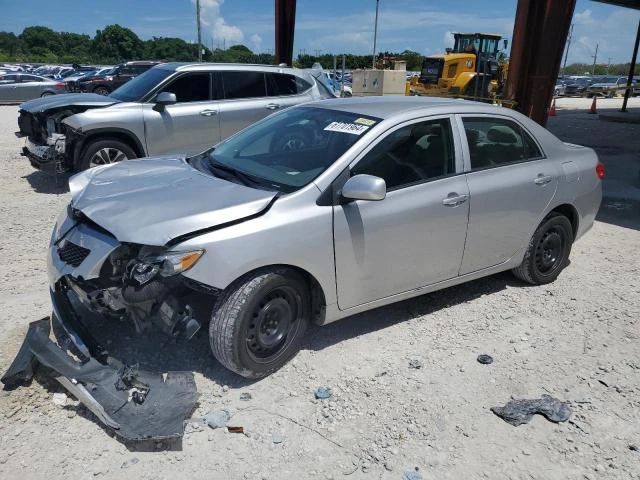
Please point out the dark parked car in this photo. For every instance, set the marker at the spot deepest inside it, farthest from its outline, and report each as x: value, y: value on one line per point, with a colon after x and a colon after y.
x: 577, y: 86
x: 119, y: 75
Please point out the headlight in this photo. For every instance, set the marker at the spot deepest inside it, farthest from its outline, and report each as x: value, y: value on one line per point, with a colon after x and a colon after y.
x: 166, y: 265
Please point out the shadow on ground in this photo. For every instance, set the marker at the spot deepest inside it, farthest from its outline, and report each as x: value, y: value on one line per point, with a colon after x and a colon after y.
x: 50, y: 183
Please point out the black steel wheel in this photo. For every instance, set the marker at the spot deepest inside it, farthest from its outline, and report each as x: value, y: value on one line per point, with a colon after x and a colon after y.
x: 548, y: 251
x: 258, y: 323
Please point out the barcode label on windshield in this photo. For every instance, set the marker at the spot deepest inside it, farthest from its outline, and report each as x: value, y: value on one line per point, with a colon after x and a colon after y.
x: 352, y: 128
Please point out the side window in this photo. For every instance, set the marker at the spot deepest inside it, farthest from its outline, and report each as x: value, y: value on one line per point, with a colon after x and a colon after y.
x: 412, y: 154
x: 6, y: 79
x: 30, y: 78
x: 243, y: 84
x: 193, y: 87
x: 497, y: 141
x: 279, y: 84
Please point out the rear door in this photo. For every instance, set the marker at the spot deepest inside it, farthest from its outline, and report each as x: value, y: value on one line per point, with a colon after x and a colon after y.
x: 8, y: 86
x: 511, y: 183
x: 189, y: 126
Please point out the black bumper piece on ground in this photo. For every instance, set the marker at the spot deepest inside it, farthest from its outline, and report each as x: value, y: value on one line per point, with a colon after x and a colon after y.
x: 136, y: 404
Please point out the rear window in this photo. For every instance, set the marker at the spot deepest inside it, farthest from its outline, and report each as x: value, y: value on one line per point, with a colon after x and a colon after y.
x: 243, y: 85
x: 279, y: 84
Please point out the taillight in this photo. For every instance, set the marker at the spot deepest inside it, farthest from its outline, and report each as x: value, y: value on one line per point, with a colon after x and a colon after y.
x: 59, y: 84
x: 600, y: 170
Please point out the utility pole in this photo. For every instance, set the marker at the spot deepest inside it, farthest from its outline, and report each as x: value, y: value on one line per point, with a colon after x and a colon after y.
x: 595, y: 57
x: 608, y: 65
x: 564, y: 66
x: 375, y: 36
x: 199, y: 32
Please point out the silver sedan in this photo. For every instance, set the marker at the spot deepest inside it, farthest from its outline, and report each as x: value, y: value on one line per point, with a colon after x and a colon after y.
x: 316, y: 213
x: 19, y: 87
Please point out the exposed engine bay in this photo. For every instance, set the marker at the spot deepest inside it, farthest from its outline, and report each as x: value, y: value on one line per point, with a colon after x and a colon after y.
x: 141, y: 284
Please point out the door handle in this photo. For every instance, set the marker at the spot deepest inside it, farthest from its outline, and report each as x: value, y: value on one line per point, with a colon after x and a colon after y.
x: 272, y: 106
x: 208, y: 113
x: 542, y: 179
x: 453, y: 200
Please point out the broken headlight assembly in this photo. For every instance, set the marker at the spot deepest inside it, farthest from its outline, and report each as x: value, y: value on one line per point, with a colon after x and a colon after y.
x: 167, y: 264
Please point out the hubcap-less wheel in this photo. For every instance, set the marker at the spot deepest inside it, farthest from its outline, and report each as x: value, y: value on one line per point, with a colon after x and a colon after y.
x: 105, y: 156
x: 101, y: 91
x: 273, y: 320
x: 549, y: 252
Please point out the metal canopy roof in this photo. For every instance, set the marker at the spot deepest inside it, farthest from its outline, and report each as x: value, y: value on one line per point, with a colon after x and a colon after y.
x: 622, y: 3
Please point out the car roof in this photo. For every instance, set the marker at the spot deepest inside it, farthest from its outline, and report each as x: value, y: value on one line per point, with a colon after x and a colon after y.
x: 187, y: 66
x: 386, y: 107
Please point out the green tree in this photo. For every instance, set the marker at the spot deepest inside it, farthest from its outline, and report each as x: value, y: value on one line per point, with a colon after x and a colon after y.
x: 9, y: 44
x: 117, y: 44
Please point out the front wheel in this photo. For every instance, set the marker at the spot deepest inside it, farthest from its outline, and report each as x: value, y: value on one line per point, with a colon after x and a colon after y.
x: 103, y: 152
x: 548, y: 251
x: 259, y: 322
x: 101, y: 91
x: 46, y: 94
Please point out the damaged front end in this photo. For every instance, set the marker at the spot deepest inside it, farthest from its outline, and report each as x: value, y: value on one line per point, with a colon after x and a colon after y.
x: 91, y: 271
x: 49, y: 143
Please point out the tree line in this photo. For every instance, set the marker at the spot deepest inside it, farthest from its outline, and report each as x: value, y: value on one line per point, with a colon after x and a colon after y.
x: 114, y: 44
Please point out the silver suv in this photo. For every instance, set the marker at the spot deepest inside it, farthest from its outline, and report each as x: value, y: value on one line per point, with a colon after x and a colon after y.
x: 173, y: 108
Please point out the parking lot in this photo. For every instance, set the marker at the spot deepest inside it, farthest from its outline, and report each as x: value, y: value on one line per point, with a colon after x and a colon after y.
x: 408, y: 392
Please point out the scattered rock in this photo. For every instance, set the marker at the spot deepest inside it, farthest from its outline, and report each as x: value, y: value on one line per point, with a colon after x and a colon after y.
x: 322, y: 393
x: 633, y: 448
x: 415, y: 363
x: 245, y: 396
x: 131, y: 462
x: 217, y: 419
x: 485, y: 359
x: 277, y: 437
x: 60, y: 399
x: 412, y: 475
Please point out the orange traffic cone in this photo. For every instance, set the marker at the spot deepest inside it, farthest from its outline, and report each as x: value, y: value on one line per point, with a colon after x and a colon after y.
x: 552, y: 110
x: 593, y: 105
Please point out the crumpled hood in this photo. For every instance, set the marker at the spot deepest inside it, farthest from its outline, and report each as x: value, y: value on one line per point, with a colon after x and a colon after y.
x: 43, y: 104
x: 153, y: 200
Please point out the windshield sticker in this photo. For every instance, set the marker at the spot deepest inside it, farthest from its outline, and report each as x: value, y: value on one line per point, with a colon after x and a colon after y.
x: 343, y: 127
x: 364, y: 121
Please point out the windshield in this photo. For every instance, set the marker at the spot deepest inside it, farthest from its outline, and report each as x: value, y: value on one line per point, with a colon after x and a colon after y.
x: 288, y: 150
x: 138, y: 87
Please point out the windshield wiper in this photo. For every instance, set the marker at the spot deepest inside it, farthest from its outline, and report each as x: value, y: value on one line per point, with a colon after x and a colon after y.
x: 229, y: 171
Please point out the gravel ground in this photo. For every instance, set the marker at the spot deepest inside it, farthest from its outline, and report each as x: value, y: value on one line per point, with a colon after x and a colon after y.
x: 576, y: 339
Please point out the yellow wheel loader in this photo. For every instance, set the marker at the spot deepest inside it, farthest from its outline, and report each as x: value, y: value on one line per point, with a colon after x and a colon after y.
x: 474, y: 68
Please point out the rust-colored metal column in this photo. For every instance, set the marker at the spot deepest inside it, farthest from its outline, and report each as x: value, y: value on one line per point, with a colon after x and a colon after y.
x: 285, y: 26
x: 539, y: 35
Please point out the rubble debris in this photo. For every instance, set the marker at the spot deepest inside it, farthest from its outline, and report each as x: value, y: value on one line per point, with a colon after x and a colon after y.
x: 217, y: 418
x: 415, y: 363
x: 412, y: 475
x: 485, y: 359
x: 235, y: 429
x: 633, y: 448
x: 130, y: 463
x: 59, y: 399
x: 277, y: 438
x: 245, y: 396
x: 517, y: 412
x: 322, y: 393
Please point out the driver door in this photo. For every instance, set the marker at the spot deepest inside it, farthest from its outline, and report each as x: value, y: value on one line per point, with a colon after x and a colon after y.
x: 415, y: 236
x: 189, y: 126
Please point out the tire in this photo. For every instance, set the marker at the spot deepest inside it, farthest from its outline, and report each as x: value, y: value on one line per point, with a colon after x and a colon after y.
x: 483, y: 94
x: 548, y: 251
x: 102, y: 91
x: 295, y: 140
x: 104, y: 151
x: 46, y: 94
x: 240, y: 333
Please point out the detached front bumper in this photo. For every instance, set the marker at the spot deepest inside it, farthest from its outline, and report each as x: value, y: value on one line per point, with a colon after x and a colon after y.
x: 138, y: 405
x: 47, y: 157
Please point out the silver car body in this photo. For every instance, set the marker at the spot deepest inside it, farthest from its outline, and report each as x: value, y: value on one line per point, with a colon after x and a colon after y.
x: 362, y: 254
x: 184, y: 127
x: 18, y: 87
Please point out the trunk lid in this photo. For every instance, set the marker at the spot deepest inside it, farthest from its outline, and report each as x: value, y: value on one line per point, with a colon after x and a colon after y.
x: 151, y: 201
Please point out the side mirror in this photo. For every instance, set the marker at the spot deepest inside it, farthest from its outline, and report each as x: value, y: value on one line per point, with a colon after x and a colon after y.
x: 364, y: 187
x: 163, y: 99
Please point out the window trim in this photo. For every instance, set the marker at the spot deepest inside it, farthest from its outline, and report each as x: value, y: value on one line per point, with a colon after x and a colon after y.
x: 465, y: 142
x: 455, y: 137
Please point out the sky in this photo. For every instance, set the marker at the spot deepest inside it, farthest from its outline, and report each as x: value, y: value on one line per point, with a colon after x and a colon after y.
x: 326, y: 26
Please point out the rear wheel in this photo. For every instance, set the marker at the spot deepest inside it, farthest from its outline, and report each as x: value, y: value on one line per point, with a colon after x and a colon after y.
x: 548, y: 251
x: 46, y: 94
x: 259, y: 322
x: 103, y: 152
